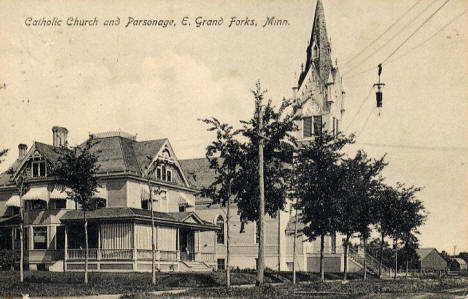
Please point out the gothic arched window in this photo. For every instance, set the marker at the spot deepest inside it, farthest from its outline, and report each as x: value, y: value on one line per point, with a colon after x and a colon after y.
x: 315, y: 52
x: 220, y: 233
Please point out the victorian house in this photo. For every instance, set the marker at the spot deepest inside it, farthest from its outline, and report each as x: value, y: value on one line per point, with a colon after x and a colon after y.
x: 119, y: 228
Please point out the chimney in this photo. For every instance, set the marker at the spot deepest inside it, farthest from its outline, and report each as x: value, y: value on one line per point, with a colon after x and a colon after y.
x: 22, y: 149
x: 59, y: 136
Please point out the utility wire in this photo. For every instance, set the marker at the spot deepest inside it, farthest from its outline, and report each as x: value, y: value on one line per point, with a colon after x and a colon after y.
x: 414, y: 48
x: 415, y: 31
x: 367, y: 120
x: 391, y: 39
x: 382, y: 34
x: 426, y: 40
x: 416, y: 147
x: 359, y: 110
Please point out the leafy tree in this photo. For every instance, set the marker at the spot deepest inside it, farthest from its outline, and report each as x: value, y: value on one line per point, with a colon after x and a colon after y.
x: 224, y: 155
x: 409, y: 216
x: 277, y: 125
x: 318, y: 174
x: 76, y: 169
x: 359, y: 177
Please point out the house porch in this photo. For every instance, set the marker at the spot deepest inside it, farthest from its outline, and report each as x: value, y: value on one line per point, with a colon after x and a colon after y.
x: 124, y: 243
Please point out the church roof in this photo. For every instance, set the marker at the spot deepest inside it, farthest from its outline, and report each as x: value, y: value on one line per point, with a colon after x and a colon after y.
x: 319, y: 38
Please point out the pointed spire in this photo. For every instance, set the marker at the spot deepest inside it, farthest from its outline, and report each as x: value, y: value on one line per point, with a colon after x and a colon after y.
x: 319, y: 37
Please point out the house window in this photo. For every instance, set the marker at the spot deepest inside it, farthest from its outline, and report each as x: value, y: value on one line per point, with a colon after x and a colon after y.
x: 144, y: 204
x: 317, y: 125
x: 307, y: 126
x: 60, y: 203
x: 163, y: 173
x: 40, y: 237
x: 221, y: 264
x: 182, y: 208
x: 31, y: 205
x: 169, y: 175
x: 38, y: 169
x: 220, y: 233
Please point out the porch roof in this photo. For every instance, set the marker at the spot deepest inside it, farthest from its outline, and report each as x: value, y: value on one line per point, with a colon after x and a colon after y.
x: 184, y: 219
x: 10, y: 220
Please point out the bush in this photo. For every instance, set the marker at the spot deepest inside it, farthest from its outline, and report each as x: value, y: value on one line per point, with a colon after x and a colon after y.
x: 7, y: 259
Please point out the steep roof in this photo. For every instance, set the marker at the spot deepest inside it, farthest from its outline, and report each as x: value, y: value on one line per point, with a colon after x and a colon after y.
x: 424, y: 252
x: 198, y: 172
x: 117, y: 153
x: 318, y: 37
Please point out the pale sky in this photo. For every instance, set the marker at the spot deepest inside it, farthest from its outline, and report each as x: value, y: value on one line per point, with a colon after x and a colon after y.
x: 156, y: 82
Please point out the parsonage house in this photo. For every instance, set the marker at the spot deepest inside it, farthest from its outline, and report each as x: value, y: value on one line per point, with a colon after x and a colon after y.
x: 190, y: 231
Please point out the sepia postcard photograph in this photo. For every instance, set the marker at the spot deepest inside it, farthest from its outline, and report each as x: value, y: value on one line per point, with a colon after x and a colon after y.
x: 234, y: 149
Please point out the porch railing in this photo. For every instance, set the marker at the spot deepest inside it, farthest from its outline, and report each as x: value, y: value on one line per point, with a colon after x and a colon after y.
x: 116, y: 254
x: 134, y: 254
x: 208, y: 257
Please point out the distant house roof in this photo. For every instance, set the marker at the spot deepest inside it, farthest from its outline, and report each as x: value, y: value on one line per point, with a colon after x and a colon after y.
x: 198, y: 172
x: 459, y: 260
x: 133, y: 213
x: 424, y: 252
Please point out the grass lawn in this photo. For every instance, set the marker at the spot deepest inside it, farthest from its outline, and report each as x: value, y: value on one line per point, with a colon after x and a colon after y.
x: 376, y: 289
x: 71, y: 283
x: 210, y: 285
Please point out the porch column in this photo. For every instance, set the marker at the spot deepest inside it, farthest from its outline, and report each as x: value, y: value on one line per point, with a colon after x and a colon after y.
x: 135, y: 250
x: 197, y: 252
x: 178, y: 244
x: 65, y: 250
x: 98, y: 250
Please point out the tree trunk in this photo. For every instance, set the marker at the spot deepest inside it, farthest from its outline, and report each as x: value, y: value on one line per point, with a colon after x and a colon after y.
x: 406, y: 273
x: 21, y: 247
x: 153, y: 246
x: 381, y: 255
x: 396, y: 260
x: 86, y: 247
x: 322, y: 264
x: 294, y: 247
x: 365, y: 254
x: 21, y: 232
x: 346, y: 244
x: 228, y: 239
x: 261, y: 208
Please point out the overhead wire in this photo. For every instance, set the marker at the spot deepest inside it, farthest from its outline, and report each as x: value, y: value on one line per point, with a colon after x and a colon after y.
x: 359, y: 109
x: 382, y: 34
x: 412, y: 49
x: 412, y: 20
x: 416, y: 31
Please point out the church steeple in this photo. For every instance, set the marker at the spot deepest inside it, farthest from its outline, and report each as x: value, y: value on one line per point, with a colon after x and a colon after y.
x: 318, y: 50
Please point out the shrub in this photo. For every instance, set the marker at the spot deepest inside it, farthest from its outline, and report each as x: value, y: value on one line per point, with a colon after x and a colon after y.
x: 7, y: 259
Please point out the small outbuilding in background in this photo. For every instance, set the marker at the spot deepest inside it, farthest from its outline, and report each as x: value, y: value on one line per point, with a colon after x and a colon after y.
x: 430, y: 260
x: 457, y: 264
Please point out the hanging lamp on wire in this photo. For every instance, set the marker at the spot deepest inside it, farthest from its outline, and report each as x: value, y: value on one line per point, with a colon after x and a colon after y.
x: 378, y: 91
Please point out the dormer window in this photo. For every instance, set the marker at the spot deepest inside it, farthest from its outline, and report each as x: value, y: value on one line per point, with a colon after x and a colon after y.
x: 38, y: 169
x: 163, y: 173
